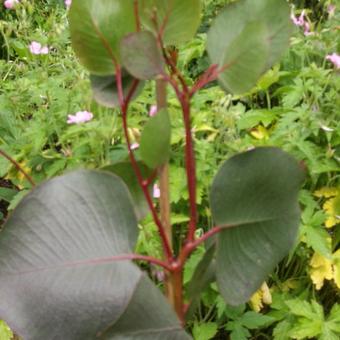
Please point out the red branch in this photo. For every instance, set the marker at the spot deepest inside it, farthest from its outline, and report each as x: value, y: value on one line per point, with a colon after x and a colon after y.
x: 18, y: 167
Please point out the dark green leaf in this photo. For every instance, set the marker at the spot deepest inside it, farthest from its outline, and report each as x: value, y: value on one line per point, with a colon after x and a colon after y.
x: 256, y: 193
x: 141, y: 56
x: 204, y: 274
x: 180, y: 18
x: 96, y: 30
x: 105, y: 90
x: 253, y: 320
x: 126, y: 172
x: 58, y: 279
x: 248, y: 37
x: 155, y: 140
x: 7, y: 194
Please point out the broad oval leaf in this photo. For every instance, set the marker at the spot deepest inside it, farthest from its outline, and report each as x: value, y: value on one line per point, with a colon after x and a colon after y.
x: 254, y: 197
x: 96, y: 30
x: 105, y: 91
x: 204, y: 274
x: 126, y: 172
x: 58, y: 279
x: 246, y: 39
x: 155, y: 140
x: 141, y: 56
x: 179, y: 18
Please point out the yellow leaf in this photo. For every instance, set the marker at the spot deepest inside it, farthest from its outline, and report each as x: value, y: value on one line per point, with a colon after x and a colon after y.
x: 321, y: 269
x: 326, y: 192
x: 261, y: 297
x: 331, y: 207
x: 260, y: 133
x: 267, y: 297
x: 336, y: 268
x: 256, y: 301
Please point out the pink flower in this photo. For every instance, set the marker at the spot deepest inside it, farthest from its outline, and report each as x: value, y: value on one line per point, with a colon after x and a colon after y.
x: 36, y: 48
x: 68, y: 3
x: 335, y: 59
x: 79, y: 117
x: 156, y: 191
x: 153, y: 110
x: 9, y: 4
x: 331, y: 10
x: 301, y: 22
x: 134, y: 146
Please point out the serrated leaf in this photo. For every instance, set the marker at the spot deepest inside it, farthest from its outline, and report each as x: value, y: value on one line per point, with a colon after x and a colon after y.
x: 155, y: 140
x: 281, y: 330
x: 204, y: 331
x: 57, y: 264
x: 179, y: 19
x: 254, y: 199
x: 141, y: 55
x: 321, y: 269
x: 96, y: 30
x: 253, y: 320
x: 105, y: 90
x: 302, y: 308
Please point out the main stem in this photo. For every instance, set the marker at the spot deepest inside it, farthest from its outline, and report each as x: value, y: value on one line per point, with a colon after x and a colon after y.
x: 164, y: 202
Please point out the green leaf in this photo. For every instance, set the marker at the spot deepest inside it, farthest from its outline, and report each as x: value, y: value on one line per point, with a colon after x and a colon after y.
x: 254, y: 117
x: 181, y: 18
x: 281, y: 330
x: 305, y: 309
x: 238, y: 332
x: 125, y: 171
x: 57, y: 264
x: 105, y: 91
x: 141, y: 55
x: 254, y: 197
x: 5, y: 332
x: 204, y: 274
x: 155, y: 140
x: 7, y: 194
x: 253, y: 320
x: 204, y: 331
x: 96, y: 30
x: 248, y: 37
x: 318, y: 239
x: 333, y: 319
x: 244, y: 59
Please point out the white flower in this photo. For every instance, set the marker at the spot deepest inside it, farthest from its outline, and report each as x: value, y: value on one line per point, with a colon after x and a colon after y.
x: 80, y: 117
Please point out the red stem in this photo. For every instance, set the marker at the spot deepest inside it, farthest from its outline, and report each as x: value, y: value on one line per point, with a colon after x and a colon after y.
x: 136, y: 14
x: 18, y: 167
x: 190, y: 168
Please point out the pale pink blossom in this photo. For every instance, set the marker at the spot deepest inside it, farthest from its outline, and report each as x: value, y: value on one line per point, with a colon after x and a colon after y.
x: 134, y: 146
x: 79, y: 117
x: 36, y: 48
x: 331, y: 10
x: 335, y: 59
x: 9, y: 4
x: 153, y: 110
x: 68, y: 3
x: 301, y: 22
x: 156, y: 191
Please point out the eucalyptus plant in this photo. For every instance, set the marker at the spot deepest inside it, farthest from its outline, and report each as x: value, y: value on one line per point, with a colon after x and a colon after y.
x: 67, y: 261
